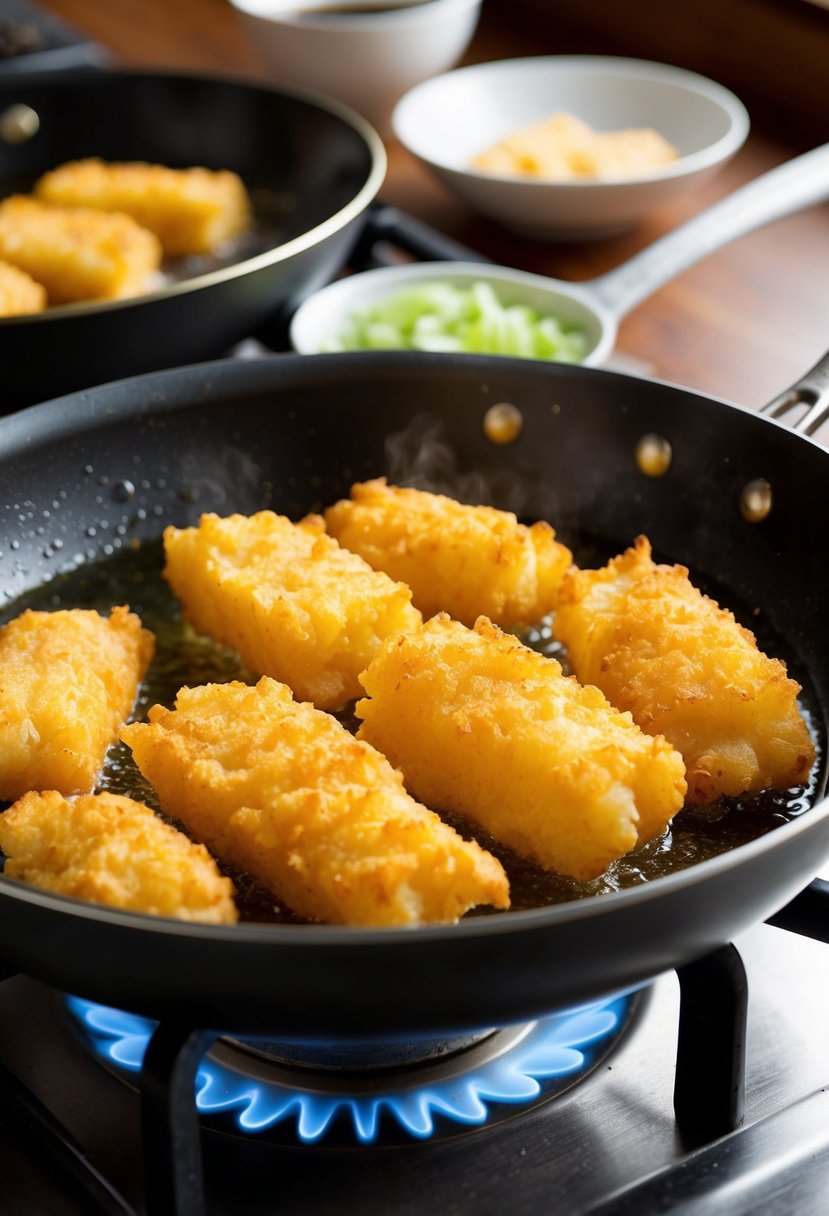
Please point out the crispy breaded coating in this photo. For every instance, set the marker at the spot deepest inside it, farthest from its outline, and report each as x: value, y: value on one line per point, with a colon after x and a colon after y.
x: 20, y: 295
x: 293, y: 603
x: 189, y: 210
x: 482, y: 725
x: 283, y: 791
x: 467, y: 561
x: 76, y: 253
x: 685, y: 669
x: 111, y: 850
x: 68, y: 681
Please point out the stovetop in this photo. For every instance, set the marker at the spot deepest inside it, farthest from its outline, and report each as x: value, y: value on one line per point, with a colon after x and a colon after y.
x: 610, y: 1145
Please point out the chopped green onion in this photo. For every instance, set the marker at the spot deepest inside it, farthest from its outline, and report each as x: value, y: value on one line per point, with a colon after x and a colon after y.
x: 437, y: 316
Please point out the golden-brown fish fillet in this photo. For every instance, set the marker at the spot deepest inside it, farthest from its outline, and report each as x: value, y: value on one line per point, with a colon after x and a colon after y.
x: 481, y: 725
x: 76, y: 253
x: 467, y: 561
x: 111, y: 850
x: 189, y: 210
x: 685, y: 669
x: 68, y: 681
x: 20, y: 295
x: 283, y: 791
x: 293, y: 603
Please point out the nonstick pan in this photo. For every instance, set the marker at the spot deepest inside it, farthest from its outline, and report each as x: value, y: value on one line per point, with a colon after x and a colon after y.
x: 311, y: 166
x: 110, y: 467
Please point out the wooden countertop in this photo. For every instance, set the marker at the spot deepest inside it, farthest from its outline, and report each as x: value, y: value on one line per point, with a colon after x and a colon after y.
x: 742, y: 325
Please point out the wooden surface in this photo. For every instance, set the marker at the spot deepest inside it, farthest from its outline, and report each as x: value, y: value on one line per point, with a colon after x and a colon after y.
x: 742, y: 325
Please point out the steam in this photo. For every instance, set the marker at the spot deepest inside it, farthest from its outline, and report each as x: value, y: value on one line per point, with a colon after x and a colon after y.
x: 422, y: 456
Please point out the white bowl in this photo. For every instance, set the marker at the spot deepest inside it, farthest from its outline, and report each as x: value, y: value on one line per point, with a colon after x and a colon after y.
x: 444, y: 122
x: 368, y: 59
x: 324, y: 316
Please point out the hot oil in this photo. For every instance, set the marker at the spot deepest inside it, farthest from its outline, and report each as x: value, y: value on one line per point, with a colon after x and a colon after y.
x: 269, y: 227
x: 182, y: 657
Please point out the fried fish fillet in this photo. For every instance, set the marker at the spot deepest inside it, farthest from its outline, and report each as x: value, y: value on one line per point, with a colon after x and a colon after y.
x: 482, y: 725
x: 189, y: 210
x: 293, y: 603
x: 467, y: 561
x: 111, y: 850
x: 685, y: 669
x: 283, y: 791
x: 20, y: 295
x: 76, y: 253
x: 68, y: 680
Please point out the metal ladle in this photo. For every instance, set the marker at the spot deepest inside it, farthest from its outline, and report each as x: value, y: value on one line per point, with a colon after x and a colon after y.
x: 597, y: 305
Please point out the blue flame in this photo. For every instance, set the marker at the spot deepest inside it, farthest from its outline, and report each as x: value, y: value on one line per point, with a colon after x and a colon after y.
x: 556, y: 1047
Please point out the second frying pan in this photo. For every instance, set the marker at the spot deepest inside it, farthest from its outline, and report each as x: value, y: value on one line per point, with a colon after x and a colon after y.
x: 311, y: 167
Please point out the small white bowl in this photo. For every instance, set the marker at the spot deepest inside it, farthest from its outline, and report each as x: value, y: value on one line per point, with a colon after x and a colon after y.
x: 366, y: 59
x: 324, y: 316
x: 445, y: 121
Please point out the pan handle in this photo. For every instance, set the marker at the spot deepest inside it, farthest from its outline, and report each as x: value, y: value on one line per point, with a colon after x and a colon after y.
x: 811, y: 390
x: 386, y: 229
x: 797, y: 184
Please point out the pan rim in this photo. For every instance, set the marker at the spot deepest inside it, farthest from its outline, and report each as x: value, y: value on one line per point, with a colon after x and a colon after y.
x: 64, y: 416
x: 264, y: 936
x: 76, y: 412
x: 288, y: 249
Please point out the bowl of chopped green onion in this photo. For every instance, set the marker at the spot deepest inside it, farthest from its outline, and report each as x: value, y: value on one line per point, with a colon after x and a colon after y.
x: 454, y: 308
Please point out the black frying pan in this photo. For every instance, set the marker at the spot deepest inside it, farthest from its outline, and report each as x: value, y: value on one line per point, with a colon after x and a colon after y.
x: 311, y: 166
x: 292, y: 433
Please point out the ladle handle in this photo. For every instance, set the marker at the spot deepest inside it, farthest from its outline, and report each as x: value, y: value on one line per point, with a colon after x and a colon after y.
x: 798, y: 183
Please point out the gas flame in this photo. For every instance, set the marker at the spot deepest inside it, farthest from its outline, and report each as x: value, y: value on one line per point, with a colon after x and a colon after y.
x: 556, y: 1046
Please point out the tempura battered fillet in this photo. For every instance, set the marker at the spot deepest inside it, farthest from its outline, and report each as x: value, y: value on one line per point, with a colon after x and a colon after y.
x: 481, y: 725
x: 189, y: 210
x: 686, y: 670
x: 463, y: 560
x: 19, y: 293
x: 68, y: 681
x: 76, y: 253
x: 286, y: 596
x: 283, y: 791
x: 111, y: 850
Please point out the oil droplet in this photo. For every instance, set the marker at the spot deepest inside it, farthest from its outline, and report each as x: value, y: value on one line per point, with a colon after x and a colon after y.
x: 18, y: 124
x: 123, y: 490
x: 756, y: 500
x: 654, y: 455
x: 503, y: 423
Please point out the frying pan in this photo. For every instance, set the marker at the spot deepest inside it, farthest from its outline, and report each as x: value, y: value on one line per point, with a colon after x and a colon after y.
x: 292, y: 433
x: 311, y: 166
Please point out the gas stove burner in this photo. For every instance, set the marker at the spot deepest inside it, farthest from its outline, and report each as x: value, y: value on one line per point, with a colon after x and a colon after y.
x: 372, y: 1096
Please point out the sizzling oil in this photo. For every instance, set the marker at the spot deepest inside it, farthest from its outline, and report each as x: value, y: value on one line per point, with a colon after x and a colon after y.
x: 133, y: 577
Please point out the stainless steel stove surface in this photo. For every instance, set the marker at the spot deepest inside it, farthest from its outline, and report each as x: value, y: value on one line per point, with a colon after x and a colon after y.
x: 608, y: 1145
